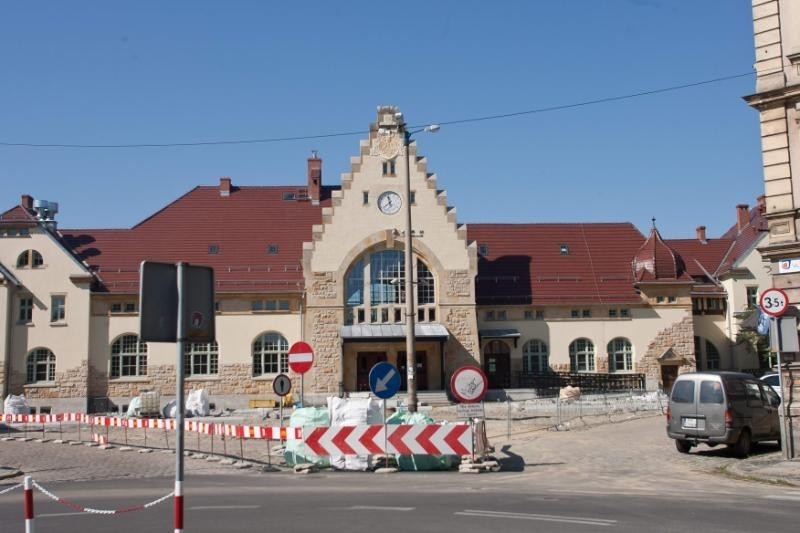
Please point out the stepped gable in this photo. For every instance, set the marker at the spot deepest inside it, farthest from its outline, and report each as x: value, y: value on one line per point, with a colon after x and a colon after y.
x: 555, y: 263
x: 657, y: 261
x: 243, y: 224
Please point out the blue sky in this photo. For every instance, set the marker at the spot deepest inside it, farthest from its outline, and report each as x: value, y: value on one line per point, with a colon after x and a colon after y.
x: 175, y: 72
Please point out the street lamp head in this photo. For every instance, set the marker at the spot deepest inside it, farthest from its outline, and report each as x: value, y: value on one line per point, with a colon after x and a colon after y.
x: 433, y: 128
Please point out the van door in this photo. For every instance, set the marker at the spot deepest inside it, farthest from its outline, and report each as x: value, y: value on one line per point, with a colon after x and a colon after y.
x: 711, y: 408
x: 757, y: 412
x: 683, y: 408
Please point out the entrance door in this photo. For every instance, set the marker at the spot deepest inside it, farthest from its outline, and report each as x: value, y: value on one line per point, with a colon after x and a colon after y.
x: 497, y: 364
x: 669, y: 373
x: 422, y: 370
x: 364, y: 363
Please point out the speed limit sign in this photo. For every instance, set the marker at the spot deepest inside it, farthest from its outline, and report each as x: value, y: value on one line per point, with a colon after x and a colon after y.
x: 774, y: 302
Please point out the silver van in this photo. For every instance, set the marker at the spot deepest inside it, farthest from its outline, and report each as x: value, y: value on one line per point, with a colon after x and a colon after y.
x: 722, y: 408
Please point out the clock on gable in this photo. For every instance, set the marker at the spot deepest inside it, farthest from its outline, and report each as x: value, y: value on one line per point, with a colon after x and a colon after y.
x: 389, y: 203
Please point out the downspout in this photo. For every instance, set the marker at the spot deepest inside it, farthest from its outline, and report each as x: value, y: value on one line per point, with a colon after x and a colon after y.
x: 7, y: 354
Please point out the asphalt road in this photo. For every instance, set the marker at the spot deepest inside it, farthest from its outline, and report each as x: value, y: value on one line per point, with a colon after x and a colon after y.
x: 375, y: 503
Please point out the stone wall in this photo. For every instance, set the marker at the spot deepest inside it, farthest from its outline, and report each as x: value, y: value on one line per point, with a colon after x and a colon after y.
x: 462, y: 348
x: 71, y: 383
x: 679, y: 337
x: 323, y: 326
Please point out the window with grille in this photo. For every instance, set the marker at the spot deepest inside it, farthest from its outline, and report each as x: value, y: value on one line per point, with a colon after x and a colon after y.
x: 270, y: 354
x: 581, y: 355
x: 30, y: 259
x: 41, y: 366
x: 58, y: 308
x: 425, y: 286
x: 25, y: 310
x: 534, y: 357
x: 620, y: 355
x: 201, y: 358
x: 128, y: 357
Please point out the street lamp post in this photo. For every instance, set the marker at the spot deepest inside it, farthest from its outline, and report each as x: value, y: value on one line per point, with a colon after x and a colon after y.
x: 411, y: 354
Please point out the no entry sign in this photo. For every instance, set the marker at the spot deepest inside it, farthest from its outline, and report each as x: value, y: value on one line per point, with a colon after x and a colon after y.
x: 301, y: 357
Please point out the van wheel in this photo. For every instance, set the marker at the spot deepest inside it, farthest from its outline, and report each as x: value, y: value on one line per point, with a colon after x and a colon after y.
x: 743, y: 445
x: 683, y: 446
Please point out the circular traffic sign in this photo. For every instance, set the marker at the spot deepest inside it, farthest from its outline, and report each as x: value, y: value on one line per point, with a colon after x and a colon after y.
x: 773, y: 302
x: 384, y: 380
x: 468, y: 384
x: 281, y: 384
x: 301, y: 357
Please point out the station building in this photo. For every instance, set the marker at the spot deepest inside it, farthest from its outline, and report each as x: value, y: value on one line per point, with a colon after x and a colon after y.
x: 325, y: 264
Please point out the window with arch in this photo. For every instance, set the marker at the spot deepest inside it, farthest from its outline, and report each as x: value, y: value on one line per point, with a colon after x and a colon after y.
x: 128, y: 357
x: 375, y: 289
x: 620, y: 355
x: 270, y: 354
x: 706, y: 351
x: 581, y: 355
x: 41, y: 366
x: 30, y: 259
x: 534, y: 357
x: 201, y: 359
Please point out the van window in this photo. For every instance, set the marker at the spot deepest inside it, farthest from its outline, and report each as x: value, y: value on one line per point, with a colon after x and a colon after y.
x: 711, y: 392
x: 753, y: 395
x: 683, y: 392
x: 735, y: 388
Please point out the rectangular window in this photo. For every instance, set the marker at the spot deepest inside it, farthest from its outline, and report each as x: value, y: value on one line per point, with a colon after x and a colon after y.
x: 483, y: 250
x: 25, y: 310
x: 683, y: 392
x: 116, y: 307
x: 130, y: 307
x: 489, y: 315
x: 672, y: 299
x: 574, y: 313
x: 502, y: 315
x: 624, y: 313
x: 659, y: 299
x: 412, y: 197
x: 528, y: 315
x: 540, y: 314
x: 389, y: 168
x: 586, y: 313
x: 563, y: 249
x: 711, y: 392
x: 58, y: 308
x: 272, y: 249
x: 612, y: 313
x: 365, y: 197
x: 213, y: 249
x: 752, y: 297
x: 257, y: 305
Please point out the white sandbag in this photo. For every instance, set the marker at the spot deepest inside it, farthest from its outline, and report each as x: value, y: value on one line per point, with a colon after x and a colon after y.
x: 353, y: 412
x: 569, y: 393
x: 134, y: 406
x: 170, y: 410
x: 197, y: 403
x: 16, y: 405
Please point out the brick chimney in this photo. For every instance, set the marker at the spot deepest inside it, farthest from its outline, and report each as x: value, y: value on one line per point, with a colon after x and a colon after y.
x: 225, y: 186
x: 26, y: 201
x: 314, y: 177
x: 742, y: 216
x: 701, y: 234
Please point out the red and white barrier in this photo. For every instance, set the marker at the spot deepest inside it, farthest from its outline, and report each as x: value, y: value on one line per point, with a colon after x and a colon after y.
x: 433, y: 439
x: 99, y: 439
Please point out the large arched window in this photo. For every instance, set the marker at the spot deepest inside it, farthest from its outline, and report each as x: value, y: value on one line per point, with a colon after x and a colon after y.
x: 270, y: 354
x: 620, y: 355
x: 375, y: 290
x: 30, y: 259
x: 705, y: 351
x: 41, y: 366
x: 581, y: 355
x: 128, y: 357
x: 201, y: 358
x: 534, y: 357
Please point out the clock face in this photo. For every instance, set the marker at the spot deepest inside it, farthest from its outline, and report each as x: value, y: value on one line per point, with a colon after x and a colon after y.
x: 389, y: 203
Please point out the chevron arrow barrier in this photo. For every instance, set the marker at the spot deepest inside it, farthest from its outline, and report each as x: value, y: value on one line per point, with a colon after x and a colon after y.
x: 421, y: 439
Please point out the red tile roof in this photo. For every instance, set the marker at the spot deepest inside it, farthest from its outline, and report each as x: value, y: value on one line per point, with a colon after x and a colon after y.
x: 17, y: 214
x: 701, y: 258
x: 243, y: 226
x: 655, y: 260
x: 524, y: 263
x: 744, y: 239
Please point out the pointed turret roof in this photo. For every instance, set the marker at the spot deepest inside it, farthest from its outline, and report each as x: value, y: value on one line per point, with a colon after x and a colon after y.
x: 657, y: 261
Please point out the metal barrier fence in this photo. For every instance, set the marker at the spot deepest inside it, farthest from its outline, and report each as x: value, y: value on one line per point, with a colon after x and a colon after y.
x: 548, y: 384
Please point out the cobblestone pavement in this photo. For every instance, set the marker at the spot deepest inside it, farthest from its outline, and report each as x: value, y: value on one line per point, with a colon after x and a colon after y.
x: 601, y: 453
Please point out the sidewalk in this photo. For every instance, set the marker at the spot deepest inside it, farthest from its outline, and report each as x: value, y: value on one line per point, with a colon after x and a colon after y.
x: 769, y: 468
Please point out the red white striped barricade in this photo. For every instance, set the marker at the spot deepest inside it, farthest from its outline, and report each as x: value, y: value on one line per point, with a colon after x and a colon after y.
x: 100, y: 439
x: 418, y: 439
x: 205, y: 428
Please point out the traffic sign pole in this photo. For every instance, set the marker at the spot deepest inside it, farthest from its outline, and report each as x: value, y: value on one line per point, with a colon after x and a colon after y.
x: 774, y: 302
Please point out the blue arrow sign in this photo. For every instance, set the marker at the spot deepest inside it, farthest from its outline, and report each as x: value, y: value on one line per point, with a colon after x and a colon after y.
x: 384, y: 380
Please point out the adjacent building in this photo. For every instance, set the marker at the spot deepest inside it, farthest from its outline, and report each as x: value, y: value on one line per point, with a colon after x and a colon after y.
x: 325, y: 264
x: 776, y: 25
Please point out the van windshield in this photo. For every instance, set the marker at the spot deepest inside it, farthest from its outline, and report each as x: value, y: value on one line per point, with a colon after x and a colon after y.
x: 683, y: 392
x: 711, y: 392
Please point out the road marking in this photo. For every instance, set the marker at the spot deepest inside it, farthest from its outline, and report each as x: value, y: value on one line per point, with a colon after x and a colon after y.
x: 54, y: 515
x: 541, y: 517
x: 377, y: 508
x: 791, y: 497
x: 210, y: 507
